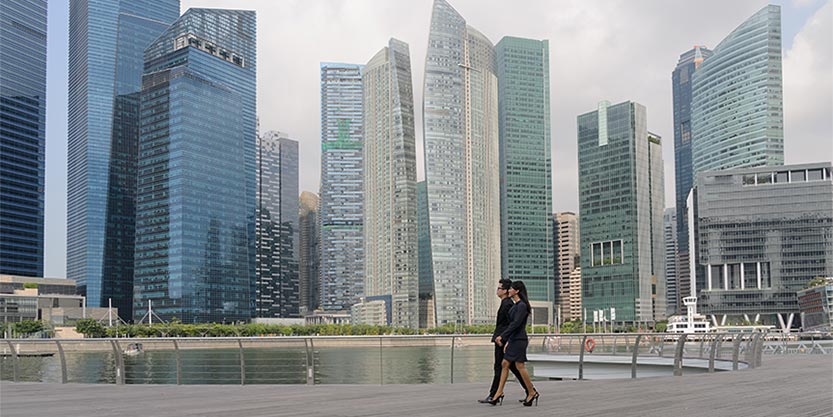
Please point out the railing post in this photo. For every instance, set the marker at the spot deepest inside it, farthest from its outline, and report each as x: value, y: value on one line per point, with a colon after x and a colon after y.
x: 119, y: 362
x: 759, y: 350
x: 635, y: 354
x: 381, y: 366
x: 452, y: 359
x: 581, y: 357
x: 14, y: 360
x: 702, y: 341
x: 678, y: 356
x: 178, y: 363
x: 242, y: 363
x: 715, y: 342
x: 63, y: 362
x: 736, y: 352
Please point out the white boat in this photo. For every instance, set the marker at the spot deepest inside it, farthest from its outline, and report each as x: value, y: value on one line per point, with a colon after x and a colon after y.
x: 133, y: 349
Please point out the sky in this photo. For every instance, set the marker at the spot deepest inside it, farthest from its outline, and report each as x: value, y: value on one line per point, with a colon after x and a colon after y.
x: 613, y: 50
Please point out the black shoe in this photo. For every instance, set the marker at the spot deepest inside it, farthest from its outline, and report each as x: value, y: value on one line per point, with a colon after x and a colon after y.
x: 496, y: 401
x: 487, y: 400
x: 528, y: 403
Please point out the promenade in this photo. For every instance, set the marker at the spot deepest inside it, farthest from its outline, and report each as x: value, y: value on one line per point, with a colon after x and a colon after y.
x: 788, y: 385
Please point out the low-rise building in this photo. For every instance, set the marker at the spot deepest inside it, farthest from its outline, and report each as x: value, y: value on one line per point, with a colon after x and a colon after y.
x: 816, y: 306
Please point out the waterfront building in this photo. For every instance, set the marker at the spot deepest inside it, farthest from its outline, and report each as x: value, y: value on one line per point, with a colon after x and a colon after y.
x: 342, y: 197
x: 761, y: 235
x: 673, y: 300
x: 567, y: 260
x: 308, y: 252
x: 525, y: 170
x: 196, y: 199
x: 621, y: 200
x: 737, y: 110
x: 22, y: 135
x: 106, y: 56
x: 460, y: 108
x: 374, y: 311
x: 816, y: 306
x: 277, y: 288
x: 51, y: 300
x: 390, y: 205
x: 681, y: 84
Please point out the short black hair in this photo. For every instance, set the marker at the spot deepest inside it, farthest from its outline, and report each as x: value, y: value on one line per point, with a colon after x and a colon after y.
x: 505, y: 283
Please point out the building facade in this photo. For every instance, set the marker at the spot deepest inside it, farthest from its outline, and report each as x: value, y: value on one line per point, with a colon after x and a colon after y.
x: 308, y: 248
x: 425, y: 268
x: 460, y: 108
x: 277, y: 288
x: 761, y: 235
x: 673, y: 301
x: 106, y: 57
x: 390, y: 206
x: 567, y: 259
x: 342, y: 197
x: 22, y: 135
x: 737, y: 110
x: 196, y: 199
x: 621, y: 200
x: 525, y: 170
x: 816, y: 306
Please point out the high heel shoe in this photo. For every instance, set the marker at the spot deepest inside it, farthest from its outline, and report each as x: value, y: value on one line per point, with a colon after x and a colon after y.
x: 496, y: 400
x: 528, y: 403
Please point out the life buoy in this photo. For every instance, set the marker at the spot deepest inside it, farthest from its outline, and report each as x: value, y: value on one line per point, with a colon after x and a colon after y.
x: 589, y: 344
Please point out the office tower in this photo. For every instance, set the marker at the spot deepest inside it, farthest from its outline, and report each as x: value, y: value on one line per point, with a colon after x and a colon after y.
x: 342, y: 195
x: 196, y: 199
x: 575, y: 296
x: 567, y: 259
x: 426, y: 274
x: 22, y: 135
x: 737, y: 111
x: 525, y: 169
x: 390, y: 200
x: 688, y: 63
x: 277, y: 288
x: 761, y: 235
x: 308, y: 251
x: 621, y: 202
x: 673, y: 299
x: 106, y: 56
x: 461, y: 168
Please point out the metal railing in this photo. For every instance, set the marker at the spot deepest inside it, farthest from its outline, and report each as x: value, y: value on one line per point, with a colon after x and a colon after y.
x: 353, y: 359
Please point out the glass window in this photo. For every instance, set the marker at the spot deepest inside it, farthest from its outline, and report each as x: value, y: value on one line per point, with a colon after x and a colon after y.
x: 782, y: 177
x: 765, y: 178
x: 815, y: 175
x: 798, y: 176
x: 749, y: 179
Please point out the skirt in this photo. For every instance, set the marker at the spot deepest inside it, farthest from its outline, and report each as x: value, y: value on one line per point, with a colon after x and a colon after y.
x: 516, y: 351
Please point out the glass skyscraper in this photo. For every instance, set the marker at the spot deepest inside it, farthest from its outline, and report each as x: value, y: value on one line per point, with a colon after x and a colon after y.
x: 390, y: 200
x: 737, y: 110
x: 674, y: 302
x: 308, y: 235
x: 22, y: 135
x: 426, y: 274
x: 761, y: 235
x: 621, y: 198
x: 195, y: 213
x: 107, y: 40
x: 342, y: 195
x: 566, y: 250
x: 688, y: 63
x: 277, y: 288
x: 460, y: 106
x: 525, y: 169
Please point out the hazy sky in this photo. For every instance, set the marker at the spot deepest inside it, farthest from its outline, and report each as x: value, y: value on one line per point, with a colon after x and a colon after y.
x: 612, y: 50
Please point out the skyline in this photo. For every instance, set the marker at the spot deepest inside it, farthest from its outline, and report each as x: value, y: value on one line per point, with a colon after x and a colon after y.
x: 578, y: 34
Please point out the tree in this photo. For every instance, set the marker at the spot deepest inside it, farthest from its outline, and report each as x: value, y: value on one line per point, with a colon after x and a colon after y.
x: 27, y: 327
x: 661, y: 326
x: 90, y: 328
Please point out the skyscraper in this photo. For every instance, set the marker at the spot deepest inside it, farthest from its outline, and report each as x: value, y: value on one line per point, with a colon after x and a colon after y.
x: 107, y: 40
x: 688, y: 63
x: 196, y: 200
x: 390, y: 206
x: 567, y: 259
x: 673, y: 299
x: 737, y: 111
x: 461, y: 168
x: 277, y: 290
x: 621, y: 202
x: 22, y: 135
x: 308, y: 252
x: 525, y: 169
x: 426, y: 274
x: 342, y: 195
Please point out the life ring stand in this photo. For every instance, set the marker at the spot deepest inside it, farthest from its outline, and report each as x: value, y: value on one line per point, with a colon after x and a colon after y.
x: 589, y: 344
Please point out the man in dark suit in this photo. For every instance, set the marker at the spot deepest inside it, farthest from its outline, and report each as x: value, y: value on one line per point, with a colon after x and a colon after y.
x: 500, y: 325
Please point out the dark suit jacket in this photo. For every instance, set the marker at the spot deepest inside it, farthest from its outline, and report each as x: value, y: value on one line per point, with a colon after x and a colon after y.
x: 516, y: 330
x: 502, y: 320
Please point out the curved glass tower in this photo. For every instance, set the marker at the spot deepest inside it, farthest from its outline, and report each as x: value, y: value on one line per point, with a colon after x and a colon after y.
x: 737, y: 100
x: 461, y: 168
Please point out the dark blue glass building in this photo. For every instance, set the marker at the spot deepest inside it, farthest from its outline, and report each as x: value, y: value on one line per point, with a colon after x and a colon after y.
x: 107, y: 40
x: 22, y: 135
x: 195, y: 207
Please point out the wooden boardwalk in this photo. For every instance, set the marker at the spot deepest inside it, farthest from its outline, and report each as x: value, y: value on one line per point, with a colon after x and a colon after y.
x: 783, y: 386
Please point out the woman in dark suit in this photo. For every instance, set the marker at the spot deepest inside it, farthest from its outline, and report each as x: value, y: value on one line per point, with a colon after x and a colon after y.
x: 515, y: 342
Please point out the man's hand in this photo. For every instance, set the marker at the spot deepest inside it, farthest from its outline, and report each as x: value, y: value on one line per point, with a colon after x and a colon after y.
x: 498, y: 341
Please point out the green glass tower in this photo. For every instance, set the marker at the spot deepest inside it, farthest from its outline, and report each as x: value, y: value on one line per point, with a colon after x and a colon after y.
x: 621, y: 200
x: 525, y: 169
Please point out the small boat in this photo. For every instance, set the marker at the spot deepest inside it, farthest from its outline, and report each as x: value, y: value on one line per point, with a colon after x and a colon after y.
x: 133, y: 349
